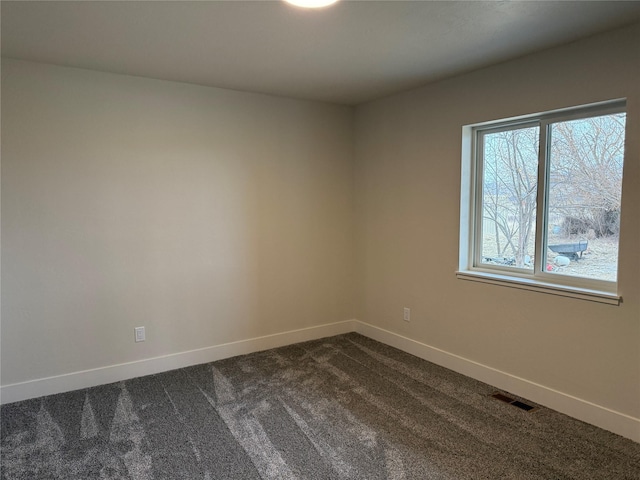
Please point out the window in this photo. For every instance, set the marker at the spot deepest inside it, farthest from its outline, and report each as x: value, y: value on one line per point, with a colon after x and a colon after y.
x: 541, y: 199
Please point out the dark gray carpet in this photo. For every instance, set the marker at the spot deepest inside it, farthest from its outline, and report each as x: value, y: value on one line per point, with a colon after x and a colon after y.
x: 338, y: 408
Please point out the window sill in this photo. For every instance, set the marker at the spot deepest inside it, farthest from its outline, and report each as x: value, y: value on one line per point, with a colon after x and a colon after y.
x: 537, y: 286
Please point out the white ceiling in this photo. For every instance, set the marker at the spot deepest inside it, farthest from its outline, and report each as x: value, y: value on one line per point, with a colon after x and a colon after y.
x: 352, y: 52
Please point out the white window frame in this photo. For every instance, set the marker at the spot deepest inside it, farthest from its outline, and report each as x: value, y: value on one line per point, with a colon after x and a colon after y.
x: 470, y: 264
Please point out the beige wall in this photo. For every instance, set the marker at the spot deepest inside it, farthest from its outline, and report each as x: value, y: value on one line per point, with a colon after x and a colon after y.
x: 408, y: 155
x: 211, y: 216
x: 206, y: 215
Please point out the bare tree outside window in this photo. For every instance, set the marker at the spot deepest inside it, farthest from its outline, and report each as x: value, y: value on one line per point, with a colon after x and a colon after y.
x: 509, y: 196
x: 584, y: 191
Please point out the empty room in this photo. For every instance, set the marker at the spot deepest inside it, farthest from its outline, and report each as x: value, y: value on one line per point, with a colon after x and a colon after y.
x: 341, y: 240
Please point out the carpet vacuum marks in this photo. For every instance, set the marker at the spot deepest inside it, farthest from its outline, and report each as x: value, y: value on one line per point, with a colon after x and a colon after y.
x: 344, y: 407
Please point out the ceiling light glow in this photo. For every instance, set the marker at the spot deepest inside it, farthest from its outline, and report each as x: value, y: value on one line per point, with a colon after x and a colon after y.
x: 311, y: 3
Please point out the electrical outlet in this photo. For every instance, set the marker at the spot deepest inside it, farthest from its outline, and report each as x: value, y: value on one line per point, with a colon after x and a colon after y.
x: 407, y: 314
x: 139, y: 334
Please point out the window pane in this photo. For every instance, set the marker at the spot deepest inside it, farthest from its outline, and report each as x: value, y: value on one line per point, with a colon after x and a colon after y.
x: 509, y: 183
x: 585, y: 187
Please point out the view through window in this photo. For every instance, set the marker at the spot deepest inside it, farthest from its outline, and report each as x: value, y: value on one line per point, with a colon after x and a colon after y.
x: 548, y: 195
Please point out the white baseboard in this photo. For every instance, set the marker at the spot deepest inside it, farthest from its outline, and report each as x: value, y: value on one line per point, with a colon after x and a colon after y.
x: 597, y: 415
x: 124, y: 371
x: 588, y: 412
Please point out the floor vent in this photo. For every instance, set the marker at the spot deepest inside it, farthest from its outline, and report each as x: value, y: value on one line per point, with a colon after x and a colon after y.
x: 503, y: 398
x: 512, y: 401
